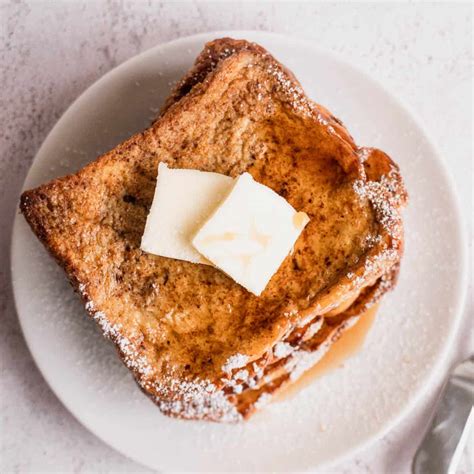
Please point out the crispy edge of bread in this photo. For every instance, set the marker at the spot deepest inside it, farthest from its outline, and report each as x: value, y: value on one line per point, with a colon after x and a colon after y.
x: 217, y: 50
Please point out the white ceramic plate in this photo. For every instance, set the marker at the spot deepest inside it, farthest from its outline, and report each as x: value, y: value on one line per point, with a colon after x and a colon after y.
x: 337, y: 413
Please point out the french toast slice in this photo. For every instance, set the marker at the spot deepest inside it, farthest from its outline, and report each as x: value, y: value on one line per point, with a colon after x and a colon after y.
x: 187, y: 330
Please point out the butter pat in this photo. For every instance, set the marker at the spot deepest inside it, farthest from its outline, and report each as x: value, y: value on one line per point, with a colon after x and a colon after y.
x: 250, y: 233
x: 183, y: 200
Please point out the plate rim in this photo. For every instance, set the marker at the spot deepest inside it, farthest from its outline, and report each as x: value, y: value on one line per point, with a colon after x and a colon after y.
x: 462, y: 275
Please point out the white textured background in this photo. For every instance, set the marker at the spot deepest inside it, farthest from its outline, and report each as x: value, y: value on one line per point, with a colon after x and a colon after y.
x: 51, y: 51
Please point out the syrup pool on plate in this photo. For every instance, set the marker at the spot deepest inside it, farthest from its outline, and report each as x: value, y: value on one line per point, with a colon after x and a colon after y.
x: 346, y: 346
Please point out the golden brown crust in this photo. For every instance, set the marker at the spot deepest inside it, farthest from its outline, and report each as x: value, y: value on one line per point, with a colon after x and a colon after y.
x: 177, y: 324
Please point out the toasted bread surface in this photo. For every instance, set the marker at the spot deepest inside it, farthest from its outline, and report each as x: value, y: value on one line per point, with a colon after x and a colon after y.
x: 177, y: 324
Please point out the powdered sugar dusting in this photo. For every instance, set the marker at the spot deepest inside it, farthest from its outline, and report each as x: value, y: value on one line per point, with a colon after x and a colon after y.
x: 258, y: 371
x: 314, y: 328
x: 297, y: 97
x: 363, y: 154
x: 132, y: 358
x: 384, y: 285
x: 249, y: 377
x: 197, y: 399
x: 242, y: 375
x: 235, y: 361
x: 300, y: 361
x: 239, y: 381
x: 282, y: 349
x: 374, y: 265
x: 386, y: 199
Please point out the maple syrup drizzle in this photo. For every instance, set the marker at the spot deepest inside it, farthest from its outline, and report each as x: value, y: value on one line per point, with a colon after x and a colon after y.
x: 346, y: 346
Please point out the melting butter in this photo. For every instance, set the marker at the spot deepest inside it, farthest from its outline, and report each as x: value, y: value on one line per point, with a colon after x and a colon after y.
x: 184, y: 199
x: 250, y: 233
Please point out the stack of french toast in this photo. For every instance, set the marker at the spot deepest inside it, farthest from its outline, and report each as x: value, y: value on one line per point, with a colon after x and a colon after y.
x: 199, y: 344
